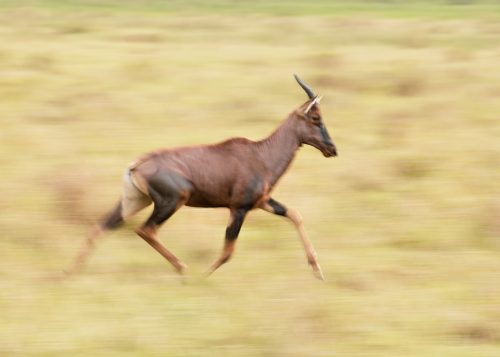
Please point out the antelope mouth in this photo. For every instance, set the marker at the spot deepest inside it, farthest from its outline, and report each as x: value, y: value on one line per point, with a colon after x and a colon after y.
x: 329, y: 151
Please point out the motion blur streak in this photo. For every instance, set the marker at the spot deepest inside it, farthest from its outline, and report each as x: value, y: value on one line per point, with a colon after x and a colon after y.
x: 406, y: 220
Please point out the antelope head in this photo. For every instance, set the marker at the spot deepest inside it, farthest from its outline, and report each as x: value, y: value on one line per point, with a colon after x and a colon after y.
x: 311, y: 129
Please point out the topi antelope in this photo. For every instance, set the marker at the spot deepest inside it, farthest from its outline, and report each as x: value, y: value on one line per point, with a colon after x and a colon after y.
x: 238, y: 173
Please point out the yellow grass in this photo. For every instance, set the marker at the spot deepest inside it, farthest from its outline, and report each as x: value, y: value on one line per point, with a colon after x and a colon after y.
x: 406, y: 220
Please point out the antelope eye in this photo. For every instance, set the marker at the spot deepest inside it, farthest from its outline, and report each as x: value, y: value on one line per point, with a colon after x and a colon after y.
x: 316, y: 119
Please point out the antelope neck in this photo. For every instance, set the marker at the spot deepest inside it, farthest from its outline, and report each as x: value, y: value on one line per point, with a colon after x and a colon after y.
x: 278, y: 149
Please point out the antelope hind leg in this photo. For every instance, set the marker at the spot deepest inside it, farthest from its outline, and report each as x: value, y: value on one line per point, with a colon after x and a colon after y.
x: 132, y: 201
x: 169, y: 192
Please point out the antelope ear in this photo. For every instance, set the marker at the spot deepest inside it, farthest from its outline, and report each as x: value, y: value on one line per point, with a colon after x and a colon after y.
x: 316, y: 100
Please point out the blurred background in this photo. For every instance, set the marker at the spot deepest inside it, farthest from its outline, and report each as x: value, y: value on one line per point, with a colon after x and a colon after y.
x: 406, y: 221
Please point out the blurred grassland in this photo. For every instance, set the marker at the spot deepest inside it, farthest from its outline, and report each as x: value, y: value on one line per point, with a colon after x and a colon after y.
x: 406, y: 220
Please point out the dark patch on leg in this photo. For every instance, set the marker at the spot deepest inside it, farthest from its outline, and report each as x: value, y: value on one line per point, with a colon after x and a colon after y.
x: 232, y: 231
x: 278, y: 208
x: 234, y: 228
x: 253, y: 192
x: 114, y: 219
x: 168, y: 182
x: 164, y: 208
x: 165, y: 189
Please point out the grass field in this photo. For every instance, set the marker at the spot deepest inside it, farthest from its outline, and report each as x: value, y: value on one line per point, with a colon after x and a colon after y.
x: 406, y: 220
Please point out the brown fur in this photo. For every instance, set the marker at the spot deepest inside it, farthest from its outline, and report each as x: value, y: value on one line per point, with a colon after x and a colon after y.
x: 238, y: 173
x: 234, y: 173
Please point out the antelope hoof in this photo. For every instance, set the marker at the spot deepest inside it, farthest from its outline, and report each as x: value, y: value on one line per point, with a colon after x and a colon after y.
x: 208, y: 272
x: 318, y: 273
x: 181, y: 268
x: 317, y: 270
x: 69, y: 272
x: 73, y: 270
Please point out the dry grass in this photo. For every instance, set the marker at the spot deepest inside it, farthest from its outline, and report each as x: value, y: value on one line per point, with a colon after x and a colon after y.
x: 406, y: 220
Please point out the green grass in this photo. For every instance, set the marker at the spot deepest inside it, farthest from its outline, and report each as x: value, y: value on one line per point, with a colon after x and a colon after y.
x: 405, y: 220
x: 385, y: 8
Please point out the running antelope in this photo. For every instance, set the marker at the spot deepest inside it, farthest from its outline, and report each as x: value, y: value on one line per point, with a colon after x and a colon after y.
x: 238, y: 173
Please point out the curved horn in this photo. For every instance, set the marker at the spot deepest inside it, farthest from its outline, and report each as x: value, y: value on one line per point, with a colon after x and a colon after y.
x: 305, y: 87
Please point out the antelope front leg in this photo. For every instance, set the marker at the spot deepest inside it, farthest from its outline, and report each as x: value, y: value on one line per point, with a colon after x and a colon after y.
x: 232, y: 231
x: 277, y: 208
